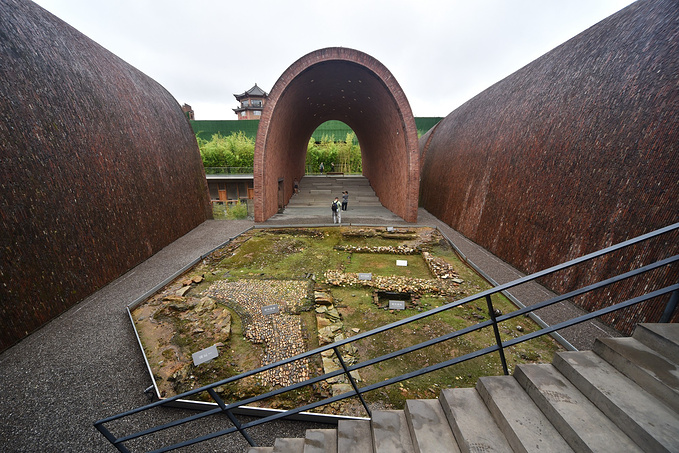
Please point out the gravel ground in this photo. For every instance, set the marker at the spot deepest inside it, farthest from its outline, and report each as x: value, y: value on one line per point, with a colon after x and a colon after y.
x: 85, y: 364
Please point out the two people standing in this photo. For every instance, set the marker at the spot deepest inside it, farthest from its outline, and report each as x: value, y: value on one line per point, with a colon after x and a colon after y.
x: 338, y: 207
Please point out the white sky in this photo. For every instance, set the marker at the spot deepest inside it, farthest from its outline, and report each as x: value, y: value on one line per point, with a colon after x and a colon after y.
x: 442, y: 52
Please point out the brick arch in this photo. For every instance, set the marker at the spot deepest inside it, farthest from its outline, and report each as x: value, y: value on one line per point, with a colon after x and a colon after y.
x: 350, y: 86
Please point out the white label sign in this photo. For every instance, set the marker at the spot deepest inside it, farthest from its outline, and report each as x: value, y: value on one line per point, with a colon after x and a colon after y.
x: 365, y: 276
x: 397, y: 305
x: 271, y: 309
x: 401, y: 262
x: 205, y: 355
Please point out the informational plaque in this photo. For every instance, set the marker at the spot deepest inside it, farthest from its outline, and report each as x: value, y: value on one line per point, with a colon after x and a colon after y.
x: 390, y: 229
x: 401, y: 262
x: 205, y: 355
x: 397, y: 305
x: 365, y: 276
x: 271, y: 309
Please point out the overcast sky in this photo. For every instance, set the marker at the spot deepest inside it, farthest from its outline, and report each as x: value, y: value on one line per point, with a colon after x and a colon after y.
x: 442, y: 52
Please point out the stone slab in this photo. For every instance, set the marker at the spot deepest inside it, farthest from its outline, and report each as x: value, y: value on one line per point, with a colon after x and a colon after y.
x: 429, y: 428
x: 647, y: 421
x: 471, y: 422
x: 288, y: 445
x: 523, y: 424
x: 646, y: 367
x: 354, y: 436
x: 390, y: 432
x: 320, y: 441
x: 581, y: 424
x: 663, y: 338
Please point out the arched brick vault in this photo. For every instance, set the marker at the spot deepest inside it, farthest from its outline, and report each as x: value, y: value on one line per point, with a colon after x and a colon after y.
x: 353, y: 87
x: 100, y: 168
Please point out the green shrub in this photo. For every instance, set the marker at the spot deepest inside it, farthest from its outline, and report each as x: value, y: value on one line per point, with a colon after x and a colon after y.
x: 235, y: 150
x: 237, y: 211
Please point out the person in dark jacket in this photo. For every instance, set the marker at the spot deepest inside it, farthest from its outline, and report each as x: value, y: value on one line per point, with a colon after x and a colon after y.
x: 336, y: 211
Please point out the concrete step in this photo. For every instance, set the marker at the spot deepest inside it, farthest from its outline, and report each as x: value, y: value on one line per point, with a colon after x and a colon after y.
x: 646, y: 367
x: 663, y: 338
x: 578, y: 420
x: 471, y: 422
x: 354, y: 436
x: 523, y: 424
x: 326, y: 204
x: 621, y: 397
x: 648, y: 422
x: 320, y: 441
x: 334, y: 191
x: 390, y: 432
x: 288, y: 445
x: 353, y: 181
x: 327, y: 199
x: 429, y: 428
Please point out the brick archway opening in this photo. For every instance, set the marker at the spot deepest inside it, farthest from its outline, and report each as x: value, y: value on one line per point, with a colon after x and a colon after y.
x: 350, y: 86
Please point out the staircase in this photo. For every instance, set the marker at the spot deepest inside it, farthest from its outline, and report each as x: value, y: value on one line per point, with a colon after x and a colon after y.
x: 621, y: 397
x: 320, y: 191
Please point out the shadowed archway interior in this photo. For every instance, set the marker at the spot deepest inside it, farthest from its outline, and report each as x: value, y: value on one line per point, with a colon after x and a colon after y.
x: 352, y: 87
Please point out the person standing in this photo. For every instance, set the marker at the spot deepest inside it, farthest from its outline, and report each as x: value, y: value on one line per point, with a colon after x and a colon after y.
x: 321, y: 167
x: 336, y: 211
x: 345, y: 200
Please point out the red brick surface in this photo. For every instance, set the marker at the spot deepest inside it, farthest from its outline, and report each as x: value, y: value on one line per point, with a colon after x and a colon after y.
x: 350, y: 86
x: 574, y: 152
x: 100, y: 168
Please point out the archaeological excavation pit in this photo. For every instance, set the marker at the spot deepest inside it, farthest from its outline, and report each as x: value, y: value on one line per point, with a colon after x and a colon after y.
x: 271, y: 294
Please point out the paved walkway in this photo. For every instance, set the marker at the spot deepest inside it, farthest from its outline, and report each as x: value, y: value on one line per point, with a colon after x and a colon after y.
x: 85, y: 364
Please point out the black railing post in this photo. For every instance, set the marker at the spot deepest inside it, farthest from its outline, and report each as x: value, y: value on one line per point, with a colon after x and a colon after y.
x: 670, y: 307
x: 491, y: 311
x: 111, y: 438
x: 232, y: 417
x: 351, y: 380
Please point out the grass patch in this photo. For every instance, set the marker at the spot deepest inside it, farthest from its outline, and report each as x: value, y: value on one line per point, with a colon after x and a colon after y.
x: 385, y: 265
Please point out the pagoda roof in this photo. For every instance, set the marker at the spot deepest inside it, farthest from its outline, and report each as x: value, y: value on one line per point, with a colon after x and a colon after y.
x: 254, y: 91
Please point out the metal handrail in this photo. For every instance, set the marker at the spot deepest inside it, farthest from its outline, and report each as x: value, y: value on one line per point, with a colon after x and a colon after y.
x: 346, y: 370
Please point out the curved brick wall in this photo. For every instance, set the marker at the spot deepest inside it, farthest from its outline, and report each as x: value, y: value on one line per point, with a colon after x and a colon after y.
x: 100, y: 168
x: 574, y: 152
x: 350, y: 86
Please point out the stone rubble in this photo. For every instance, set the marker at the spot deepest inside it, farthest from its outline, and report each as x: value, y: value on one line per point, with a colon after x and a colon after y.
x: 280, y: 333
x: 440, y: 268
x: 330, y: 330
x: 395, y: 283
x: 398, y: 250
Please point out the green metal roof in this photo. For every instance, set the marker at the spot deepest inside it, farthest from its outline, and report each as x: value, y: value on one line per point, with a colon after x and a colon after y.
x: 205, y: 129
